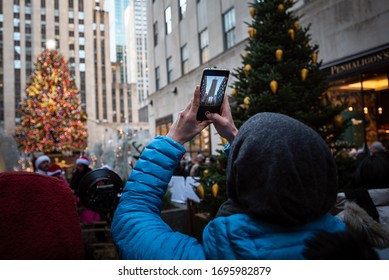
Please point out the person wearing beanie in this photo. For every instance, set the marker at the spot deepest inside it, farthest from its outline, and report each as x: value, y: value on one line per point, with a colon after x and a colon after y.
x: 281, y: 185
x: 365, y: 207
x: 82, y: 167
x: 42, y: 164
x: 55, y: 170
x: 377, y: 147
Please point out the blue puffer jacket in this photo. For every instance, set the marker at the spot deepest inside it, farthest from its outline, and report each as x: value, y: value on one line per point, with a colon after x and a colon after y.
x: 140, y: 233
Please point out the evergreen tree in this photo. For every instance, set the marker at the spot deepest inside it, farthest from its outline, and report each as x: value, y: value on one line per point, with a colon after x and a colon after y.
x: 51, y: 117
x: 280, y: 72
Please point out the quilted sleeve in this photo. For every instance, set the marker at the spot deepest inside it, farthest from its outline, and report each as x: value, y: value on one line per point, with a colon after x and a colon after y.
x: 137, y: 227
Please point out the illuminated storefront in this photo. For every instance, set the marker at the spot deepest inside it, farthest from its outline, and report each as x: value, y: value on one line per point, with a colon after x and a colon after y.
x: 199, y: 144
x: 361, y: 84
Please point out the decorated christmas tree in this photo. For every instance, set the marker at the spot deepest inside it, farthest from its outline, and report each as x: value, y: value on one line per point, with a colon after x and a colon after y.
x: 51, y: 117
x: 280, y: 72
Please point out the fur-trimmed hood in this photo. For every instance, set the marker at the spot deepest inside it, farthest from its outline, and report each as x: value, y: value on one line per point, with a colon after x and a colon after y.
x: 358, y: 221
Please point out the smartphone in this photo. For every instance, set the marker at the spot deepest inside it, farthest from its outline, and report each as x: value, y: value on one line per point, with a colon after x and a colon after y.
x: 212, y: 89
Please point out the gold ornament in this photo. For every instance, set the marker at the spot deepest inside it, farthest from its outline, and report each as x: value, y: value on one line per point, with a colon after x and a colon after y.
x: 291, y: 33
x: 234, y: 92
x: 338, y: 120
x: 215, y: 189
x: 281, y: 8
x: 200, y: 191
x: 252, y: 12
x: 296, y: 25
x: 223, y: 140
x: 205, y: 172
x: 247, y: 69
x: 246, y: 100
x: 279, y: 54
x: 274, y: 86
x: 314, y: 58
x: 304, y: 73
x: 251, y: 32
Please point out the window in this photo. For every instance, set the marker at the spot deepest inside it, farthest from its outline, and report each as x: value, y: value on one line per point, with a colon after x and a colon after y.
x: 204, y: 46
x: 155, y: 32
x: 184, y: 59
x: 182, y: 9
x: 168, y: 20
x: 229, y: 28
x: 157, y: 78
x: 169, y: 69
x: 162, y: 125
x: 80, y: 5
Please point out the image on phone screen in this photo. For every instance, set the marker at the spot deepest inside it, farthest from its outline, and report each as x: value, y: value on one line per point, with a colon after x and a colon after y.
x: 212, y: 90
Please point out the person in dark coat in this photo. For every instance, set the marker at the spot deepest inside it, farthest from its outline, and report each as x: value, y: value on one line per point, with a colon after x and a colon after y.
x: 82, y: 167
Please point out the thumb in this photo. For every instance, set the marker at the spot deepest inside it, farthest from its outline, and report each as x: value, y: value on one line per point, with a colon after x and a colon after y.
x: 214, y: 117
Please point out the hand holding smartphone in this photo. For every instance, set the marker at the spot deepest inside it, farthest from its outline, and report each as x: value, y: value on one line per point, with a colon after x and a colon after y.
x: 212, y: 89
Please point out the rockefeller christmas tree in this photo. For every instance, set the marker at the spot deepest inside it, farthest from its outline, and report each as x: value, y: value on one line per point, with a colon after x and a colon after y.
x: 280, y: 73
x: 51, y: 117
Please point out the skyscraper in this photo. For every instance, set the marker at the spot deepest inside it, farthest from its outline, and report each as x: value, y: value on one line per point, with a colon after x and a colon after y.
x: 137, y: 64
x: 79, y: 30
x: 119, y: 6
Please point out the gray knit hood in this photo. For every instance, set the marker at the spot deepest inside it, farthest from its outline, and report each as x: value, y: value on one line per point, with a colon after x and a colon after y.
x: 281, y: 171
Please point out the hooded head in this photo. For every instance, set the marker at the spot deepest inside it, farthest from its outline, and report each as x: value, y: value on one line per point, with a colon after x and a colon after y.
x: 281, y: 171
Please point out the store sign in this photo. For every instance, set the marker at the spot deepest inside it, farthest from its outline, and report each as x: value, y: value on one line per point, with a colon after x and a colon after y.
x: 361, y: 62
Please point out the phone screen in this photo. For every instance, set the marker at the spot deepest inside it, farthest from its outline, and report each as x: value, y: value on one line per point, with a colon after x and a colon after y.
x: 212, y: 89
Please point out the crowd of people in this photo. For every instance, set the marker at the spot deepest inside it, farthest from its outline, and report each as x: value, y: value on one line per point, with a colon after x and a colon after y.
x: 42, y: 165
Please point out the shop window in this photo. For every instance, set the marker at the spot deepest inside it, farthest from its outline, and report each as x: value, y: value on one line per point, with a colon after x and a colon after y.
x: 366, y: 99
x: 199, y: 144
x: 163, y: 125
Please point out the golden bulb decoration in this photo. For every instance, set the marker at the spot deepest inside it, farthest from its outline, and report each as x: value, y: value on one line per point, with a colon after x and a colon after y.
x: 252, y: 12
x: 205, y: 172
x: 314, y: 58
x: 281, y: 8
x: 279, y: 54
x: 246, y: 100
x: 338, y: 120
x: 247, y: 69
x: 215, y: 190
x: 304, y: 74
x: 291, y: 33
x: 200, y: 191
x: 234, y: 92
x: 252, y: 32
x: 246, y: 103
x: 273, y: 86
x: 224, y: 141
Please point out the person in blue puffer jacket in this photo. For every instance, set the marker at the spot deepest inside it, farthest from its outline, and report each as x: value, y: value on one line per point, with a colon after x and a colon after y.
x: 281, y: 185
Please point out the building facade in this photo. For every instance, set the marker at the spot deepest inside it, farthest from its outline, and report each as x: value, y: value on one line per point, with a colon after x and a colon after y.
x: 135, y: 17
x: 184, y: 38
x: 80, y: 29
x: 354, y: 48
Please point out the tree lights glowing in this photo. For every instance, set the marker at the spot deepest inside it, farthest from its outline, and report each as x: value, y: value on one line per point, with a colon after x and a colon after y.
x: 51, y: 117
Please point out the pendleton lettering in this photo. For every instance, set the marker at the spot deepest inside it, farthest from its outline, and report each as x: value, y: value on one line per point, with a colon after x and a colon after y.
x: 353, y: 65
